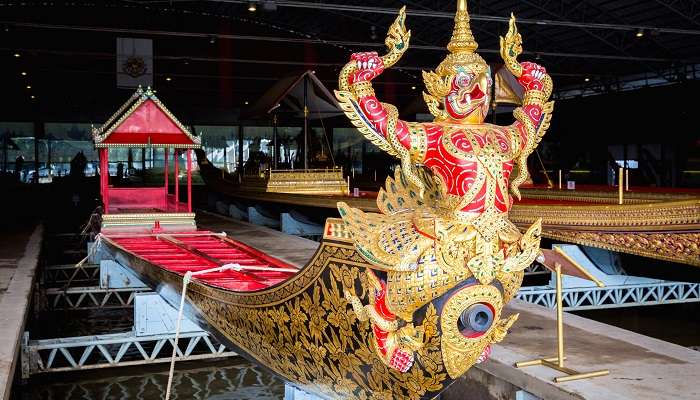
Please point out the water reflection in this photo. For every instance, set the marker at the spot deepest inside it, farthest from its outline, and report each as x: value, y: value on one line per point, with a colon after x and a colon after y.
x: 228, y: 379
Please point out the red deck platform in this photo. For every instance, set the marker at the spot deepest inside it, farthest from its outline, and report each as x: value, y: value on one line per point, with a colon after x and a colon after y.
x: 199, y: 250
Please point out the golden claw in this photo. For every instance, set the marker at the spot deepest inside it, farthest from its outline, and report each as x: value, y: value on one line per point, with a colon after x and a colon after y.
x: 396, y: 41
x: 511, y: 48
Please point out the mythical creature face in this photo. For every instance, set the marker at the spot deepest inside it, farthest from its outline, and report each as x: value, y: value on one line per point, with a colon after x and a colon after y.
x: 468, y: 98
x: 470, y: 324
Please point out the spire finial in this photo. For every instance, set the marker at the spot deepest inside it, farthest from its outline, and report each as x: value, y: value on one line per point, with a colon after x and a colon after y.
x: 462, y: 38
x: 462, y: 5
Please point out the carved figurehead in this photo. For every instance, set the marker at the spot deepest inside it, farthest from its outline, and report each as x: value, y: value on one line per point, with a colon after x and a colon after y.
x: 459, y: 89
x: 442, y: 240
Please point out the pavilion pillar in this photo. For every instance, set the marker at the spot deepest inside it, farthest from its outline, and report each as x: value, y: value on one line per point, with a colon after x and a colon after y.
x: 189, y: 180
x: 176, y: 157
x: 104, y: 178
x: 100, y: 153
x: 166, y: 168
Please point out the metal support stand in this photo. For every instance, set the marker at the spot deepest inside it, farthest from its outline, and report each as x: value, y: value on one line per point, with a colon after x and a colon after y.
x: 557, y: 362
x: 291, y: 392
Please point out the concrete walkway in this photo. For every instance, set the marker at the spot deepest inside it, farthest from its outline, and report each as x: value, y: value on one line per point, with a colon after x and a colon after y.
x: 19, y: 256
x: 294, y: 250
x: 640, y: 367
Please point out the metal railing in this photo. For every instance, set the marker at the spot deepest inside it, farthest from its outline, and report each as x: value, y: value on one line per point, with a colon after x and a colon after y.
x: 591, y: 298
x: 86, y: 298
x: 69, y: 273
x: 536, y: 269
x: 114, y: 350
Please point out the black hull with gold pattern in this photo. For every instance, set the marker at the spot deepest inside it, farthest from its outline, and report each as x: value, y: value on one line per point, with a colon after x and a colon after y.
x: 305, y: 330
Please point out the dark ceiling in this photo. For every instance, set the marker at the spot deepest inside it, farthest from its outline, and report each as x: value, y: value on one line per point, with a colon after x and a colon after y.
x: 218, y: 55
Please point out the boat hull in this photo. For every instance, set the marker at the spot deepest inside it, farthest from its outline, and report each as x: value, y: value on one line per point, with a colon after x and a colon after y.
x: 304, y: 330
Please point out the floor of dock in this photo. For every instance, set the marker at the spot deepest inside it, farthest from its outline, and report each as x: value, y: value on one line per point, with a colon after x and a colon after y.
x: 20, y: 245
x: 640, y: 367
x: 294, y: 250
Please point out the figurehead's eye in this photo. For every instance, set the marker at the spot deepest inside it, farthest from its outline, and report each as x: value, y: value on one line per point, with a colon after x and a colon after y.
x: 476, y: 320
x: 463, y: 80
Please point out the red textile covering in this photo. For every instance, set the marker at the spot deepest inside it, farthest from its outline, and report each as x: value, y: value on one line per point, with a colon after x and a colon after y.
x: 127, y: 198
x: 174, y: 258
x: 148, y: 124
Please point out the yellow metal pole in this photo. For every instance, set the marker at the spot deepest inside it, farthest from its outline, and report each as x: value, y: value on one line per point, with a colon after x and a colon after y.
x: 578, y: 266
x: 560, y: 319
x: 620, y: 185
x: 559, y: 179
x: 539, y: 361
x: 584, y: 375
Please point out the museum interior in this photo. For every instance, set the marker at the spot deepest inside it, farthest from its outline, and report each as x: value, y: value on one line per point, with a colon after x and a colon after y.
x: 389, y: 199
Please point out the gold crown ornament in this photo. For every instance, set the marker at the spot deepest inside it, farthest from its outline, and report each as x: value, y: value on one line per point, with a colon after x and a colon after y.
x: 462, y: 58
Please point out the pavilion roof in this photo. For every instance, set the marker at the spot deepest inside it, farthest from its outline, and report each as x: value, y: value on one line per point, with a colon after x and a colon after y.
x: 144, y: 121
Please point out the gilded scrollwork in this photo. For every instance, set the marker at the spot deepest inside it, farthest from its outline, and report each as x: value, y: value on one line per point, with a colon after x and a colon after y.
x: 677, y: 246
x: 316, y: 339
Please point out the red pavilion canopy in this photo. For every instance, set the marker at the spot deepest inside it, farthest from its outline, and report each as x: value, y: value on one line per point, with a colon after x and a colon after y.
x: 143, y: 121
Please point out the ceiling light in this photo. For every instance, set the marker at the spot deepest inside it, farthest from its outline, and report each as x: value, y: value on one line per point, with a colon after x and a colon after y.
x: 168, y: 79
x: 212, y: 39
x: 639, y: 33
x: 413, y: 87
x: 587, y: 79
x: 252, y: 6
x: 24, y: 73
x: 246, y: 103
x: 33, y: 97
x: 16, y: 55
x: 29, y: 86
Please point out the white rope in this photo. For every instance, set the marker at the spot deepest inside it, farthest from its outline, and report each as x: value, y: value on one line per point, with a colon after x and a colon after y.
x: 156, y: 235
x: 185, y: 281
x: 237, y: 267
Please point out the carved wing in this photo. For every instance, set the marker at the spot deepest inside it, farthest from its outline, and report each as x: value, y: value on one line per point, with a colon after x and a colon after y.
x: 388, y: 242
x: 547, y: 110
x: 398, y: 194
x: 348, y: 103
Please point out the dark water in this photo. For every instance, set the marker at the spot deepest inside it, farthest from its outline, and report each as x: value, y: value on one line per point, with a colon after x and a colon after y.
x: 227, y: 379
